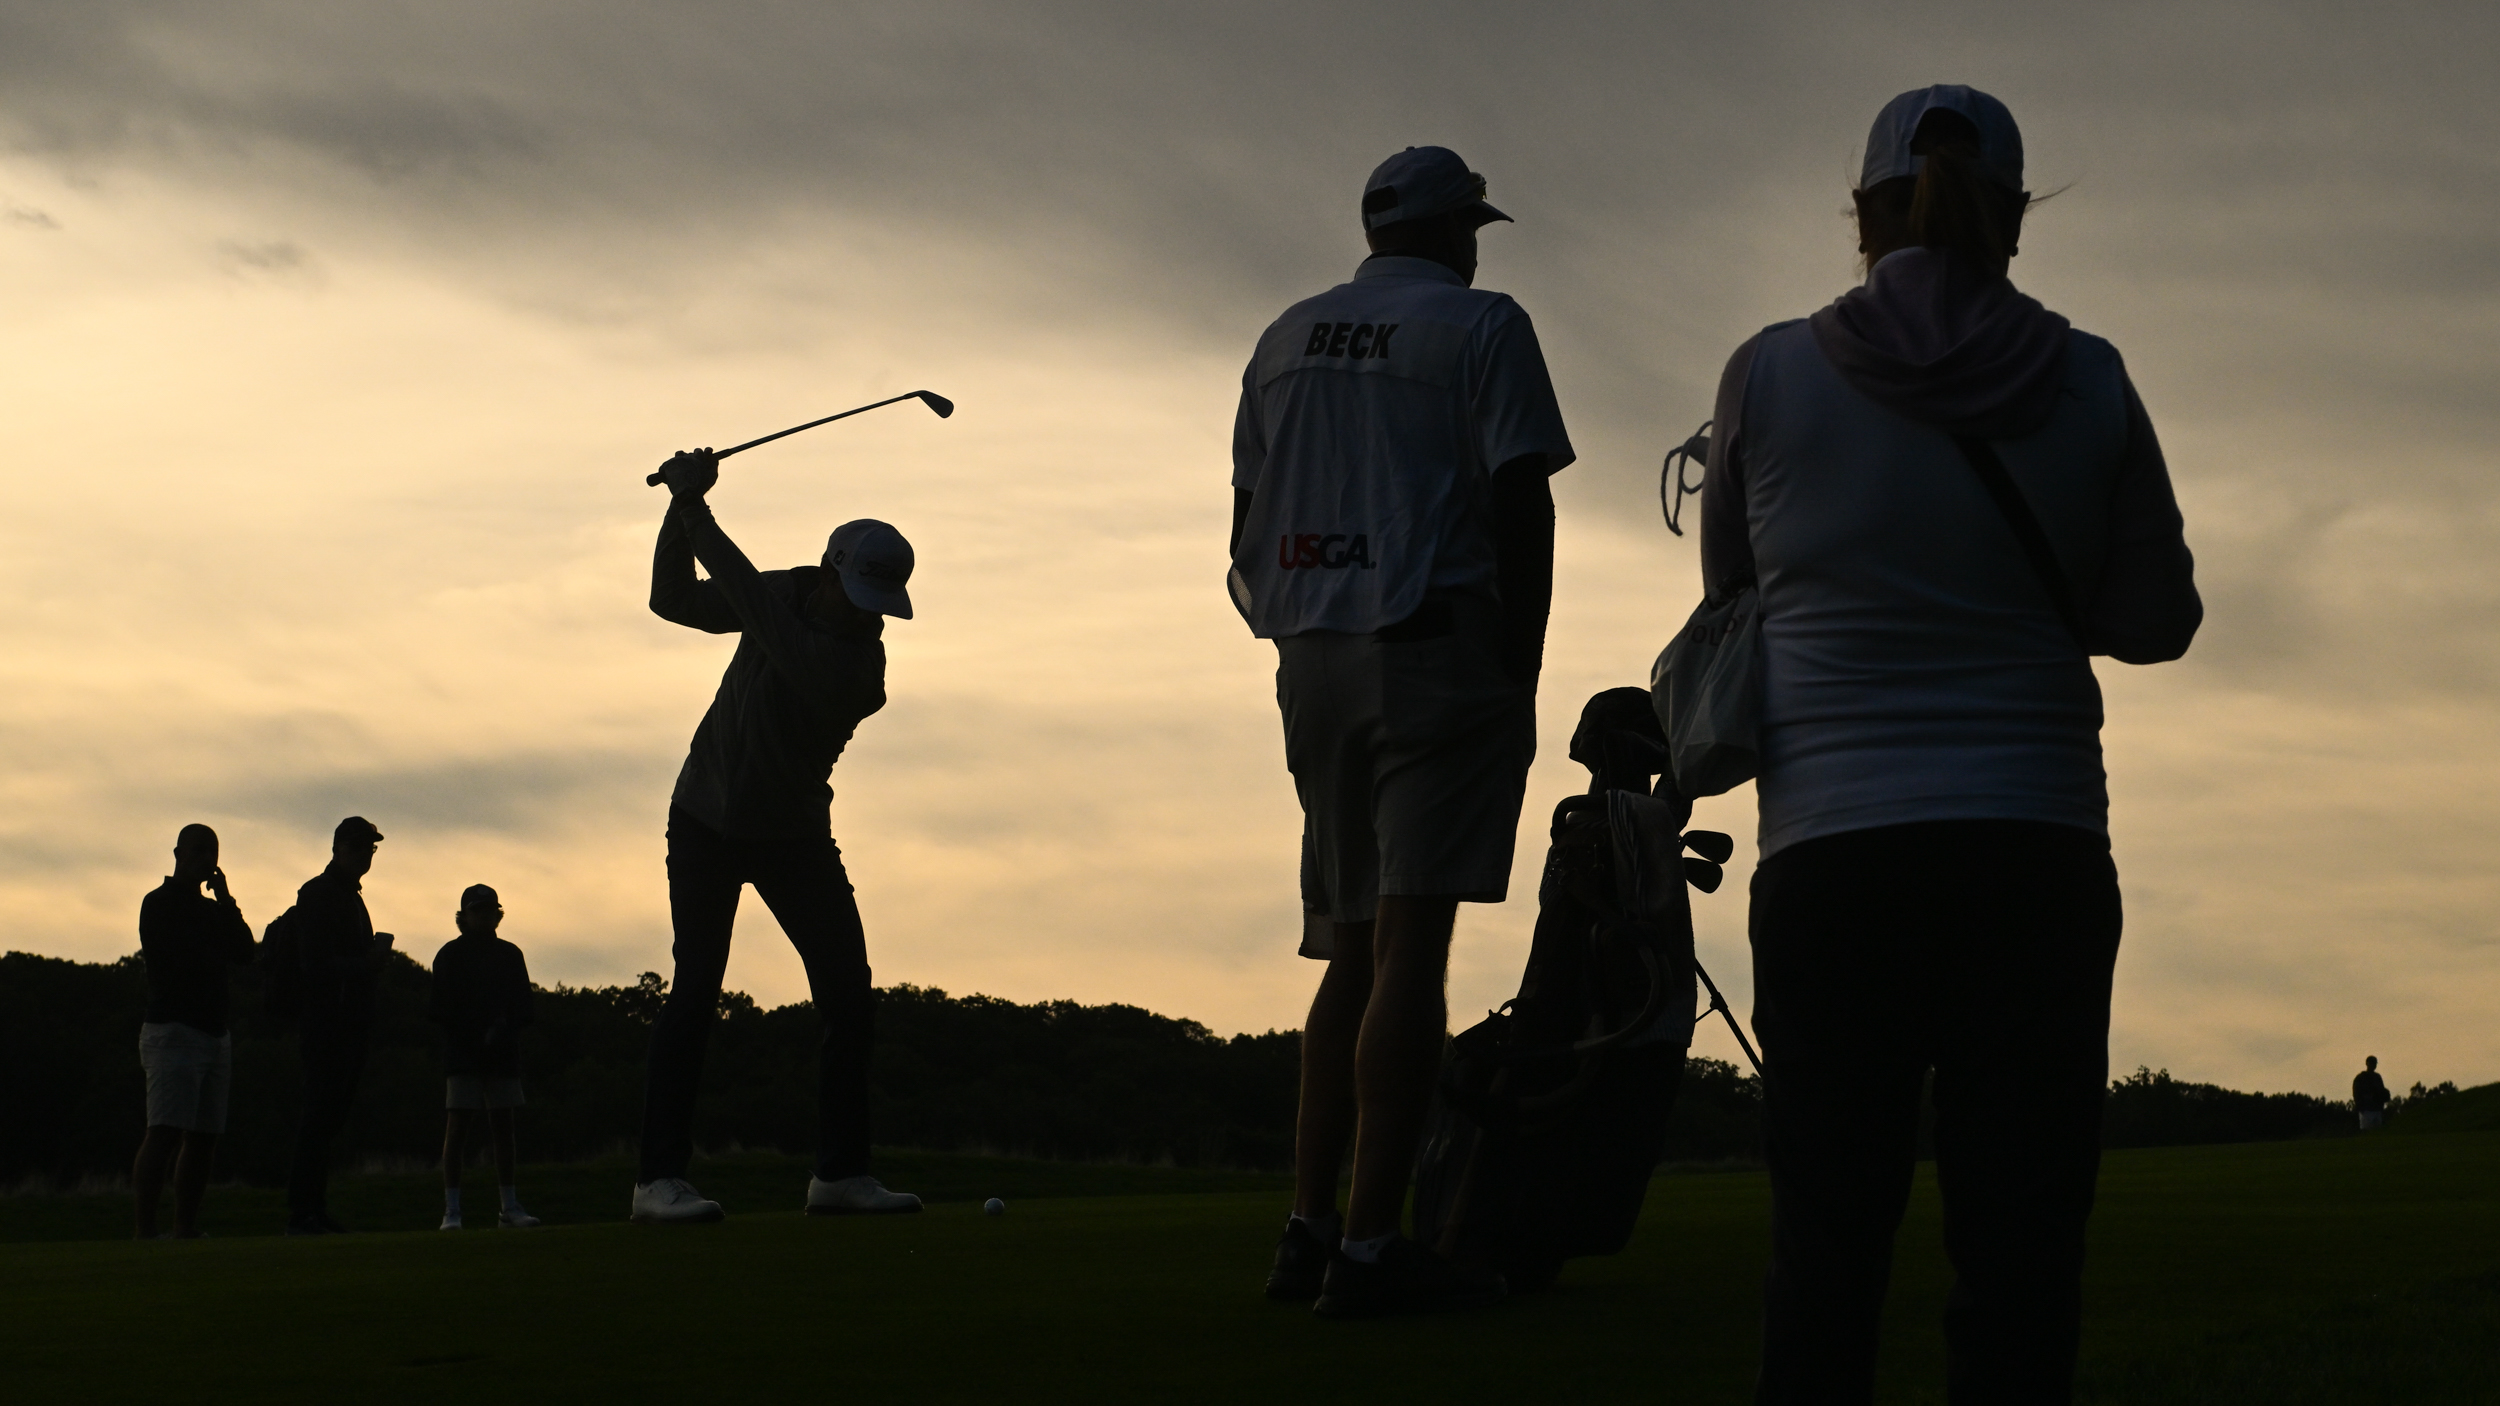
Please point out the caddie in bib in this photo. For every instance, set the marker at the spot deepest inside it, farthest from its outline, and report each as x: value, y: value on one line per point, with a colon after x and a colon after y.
x: 1393, y: 532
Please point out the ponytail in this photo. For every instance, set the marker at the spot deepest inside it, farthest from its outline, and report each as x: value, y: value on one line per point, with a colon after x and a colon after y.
x: 1955, y: 208
x: 1951, y: 204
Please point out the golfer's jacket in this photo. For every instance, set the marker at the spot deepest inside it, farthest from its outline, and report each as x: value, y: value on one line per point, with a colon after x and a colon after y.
x: 1372, y: 418
x: 790, y: 699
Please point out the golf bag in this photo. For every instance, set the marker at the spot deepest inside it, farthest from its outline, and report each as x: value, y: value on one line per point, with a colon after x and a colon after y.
x: 282, y: 956
x: 1552, y: 1112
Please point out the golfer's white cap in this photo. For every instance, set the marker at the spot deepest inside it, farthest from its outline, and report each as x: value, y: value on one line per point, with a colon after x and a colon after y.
x: 1888, y: 145
x: 1421, y: 182
x: 874, y: 562
x: 477, y: 896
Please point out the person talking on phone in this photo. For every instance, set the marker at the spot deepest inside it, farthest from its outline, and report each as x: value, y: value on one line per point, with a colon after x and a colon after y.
x: 188, y: 941
x: 339, y: 954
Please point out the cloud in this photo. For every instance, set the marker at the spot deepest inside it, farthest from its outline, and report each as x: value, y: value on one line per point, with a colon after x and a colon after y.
x: 273, y: 258
x: 1667, y: 161
x: 531, y: 792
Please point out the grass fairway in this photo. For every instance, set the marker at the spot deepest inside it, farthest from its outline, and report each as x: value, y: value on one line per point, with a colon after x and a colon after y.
x: 2348, y: 1271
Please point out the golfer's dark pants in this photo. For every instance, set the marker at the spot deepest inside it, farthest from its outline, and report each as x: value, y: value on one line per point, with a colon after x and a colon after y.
x: 802, y: 881
x: 1980, y: 949
x: 333, y: 1051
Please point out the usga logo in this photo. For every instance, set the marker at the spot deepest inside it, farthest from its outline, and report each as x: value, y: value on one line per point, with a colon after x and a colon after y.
x: 1330, y: 551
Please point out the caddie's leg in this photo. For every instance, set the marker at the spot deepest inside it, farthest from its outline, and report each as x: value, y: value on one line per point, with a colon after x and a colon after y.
x: 1397, y: 1056
x: 1324, y: 1120
x: 810, y: 893
x: 1443, y: 752
x: 1329, y: 712
x: 703, y: 884
x: 2022, y: 1073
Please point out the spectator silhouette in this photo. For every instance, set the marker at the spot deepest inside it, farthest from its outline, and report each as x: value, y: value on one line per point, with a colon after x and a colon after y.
x: 336, y: 952
x: 188, y: 940
x: 2369, y: 1095
x: 481, y: 998
x: 1948, y: 500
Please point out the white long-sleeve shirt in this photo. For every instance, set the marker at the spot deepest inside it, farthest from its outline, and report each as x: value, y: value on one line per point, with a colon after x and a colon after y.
x: 1915, y: 667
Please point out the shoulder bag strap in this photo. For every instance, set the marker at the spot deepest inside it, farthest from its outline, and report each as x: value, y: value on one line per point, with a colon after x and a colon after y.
x: 1983, y: 460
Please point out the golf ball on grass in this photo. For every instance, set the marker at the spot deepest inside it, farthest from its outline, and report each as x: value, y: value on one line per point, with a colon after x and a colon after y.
x: 994, y: 1207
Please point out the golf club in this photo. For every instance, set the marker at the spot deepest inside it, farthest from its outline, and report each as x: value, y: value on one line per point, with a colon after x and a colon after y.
x: 1710, y: 845
x: 1719, y: 1003
x: 932, y: 399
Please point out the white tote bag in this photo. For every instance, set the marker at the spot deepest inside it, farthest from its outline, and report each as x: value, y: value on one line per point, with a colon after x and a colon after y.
x: 1707, y: 688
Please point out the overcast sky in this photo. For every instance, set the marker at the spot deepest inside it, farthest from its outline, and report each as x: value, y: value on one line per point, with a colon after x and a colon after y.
x: 337, y: 339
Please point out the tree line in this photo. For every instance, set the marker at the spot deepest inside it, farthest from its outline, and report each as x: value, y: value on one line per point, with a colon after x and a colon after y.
x: 2149, y: 1108
x: 1053, y: 1079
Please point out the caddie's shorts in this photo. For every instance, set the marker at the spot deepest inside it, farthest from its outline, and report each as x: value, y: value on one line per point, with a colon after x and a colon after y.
x: 189, y: 1075
x: 1411, y: 759
x: 482, y: 1091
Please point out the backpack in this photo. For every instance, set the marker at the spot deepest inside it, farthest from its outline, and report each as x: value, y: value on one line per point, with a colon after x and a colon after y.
x: 282, y: 956
x: 1552, y: 1112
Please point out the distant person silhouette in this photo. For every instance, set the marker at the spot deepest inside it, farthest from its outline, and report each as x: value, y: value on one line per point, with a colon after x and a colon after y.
x: 1948, y: 500
x: 189, y: 941
x: 2369, y: 1096
x: 750, y: 808
x: 481, y: 998
x: 338, y: 954
x: 1393, y: 533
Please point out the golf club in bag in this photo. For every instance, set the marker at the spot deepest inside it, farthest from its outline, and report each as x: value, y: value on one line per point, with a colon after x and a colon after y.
x: 932, y: 399
x: 1552, y: 1112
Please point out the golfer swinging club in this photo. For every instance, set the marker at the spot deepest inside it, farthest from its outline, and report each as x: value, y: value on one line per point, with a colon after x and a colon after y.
x: 1393, y: 532
x: 750, y: 809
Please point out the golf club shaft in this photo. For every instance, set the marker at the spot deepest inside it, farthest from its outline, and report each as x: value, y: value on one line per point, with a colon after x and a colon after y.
x: 1719, y: 1003
x: 654, y: 480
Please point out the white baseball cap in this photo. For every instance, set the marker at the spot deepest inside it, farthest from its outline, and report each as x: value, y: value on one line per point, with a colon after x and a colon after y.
x: 1421, y: 182
x: 873, y: 562
x: 1888, y: 145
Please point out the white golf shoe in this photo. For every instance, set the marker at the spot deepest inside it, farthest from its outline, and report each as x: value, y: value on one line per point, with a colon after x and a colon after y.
x: 672, y: 1201
x: 518, y: 1219
x: 857, y: 1196
x: 451, y: 1221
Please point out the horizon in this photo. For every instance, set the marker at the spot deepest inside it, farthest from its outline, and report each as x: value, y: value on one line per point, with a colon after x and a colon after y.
x: 343, y: 340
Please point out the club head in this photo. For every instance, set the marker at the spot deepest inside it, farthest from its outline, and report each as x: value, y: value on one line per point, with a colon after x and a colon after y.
x: 936, y: 402
x: 1703, y: 874
x: 1710, y: 845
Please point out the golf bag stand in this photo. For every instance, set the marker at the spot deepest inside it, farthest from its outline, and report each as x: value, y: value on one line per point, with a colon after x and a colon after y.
x: 1552, y: 1112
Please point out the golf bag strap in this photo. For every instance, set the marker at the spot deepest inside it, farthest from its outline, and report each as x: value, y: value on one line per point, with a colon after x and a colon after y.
x: 1983, y: 460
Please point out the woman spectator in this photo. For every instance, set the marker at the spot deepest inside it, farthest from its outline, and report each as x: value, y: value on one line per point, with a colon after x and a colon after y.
x: 1948, y: 499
